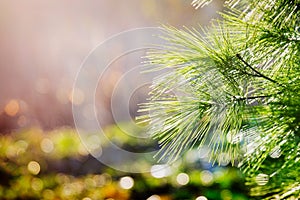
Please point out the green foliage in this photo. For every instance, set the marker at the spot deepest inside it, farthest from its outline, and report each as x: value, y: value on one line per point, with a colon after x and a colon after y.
x: 63, y: 170
x: 235, y: 87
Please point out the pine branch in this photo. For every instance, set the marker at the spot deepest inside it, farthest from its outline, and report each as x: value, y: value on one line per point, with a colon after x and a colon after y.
x: 257, y: 73
x: 200, y: 3
x: 204, y: 99
x: 252, y: 97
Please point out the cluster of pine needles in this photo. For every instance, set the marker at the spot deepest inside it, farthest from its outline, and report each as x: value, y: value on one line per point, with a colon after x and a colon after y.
x: 234, y: 87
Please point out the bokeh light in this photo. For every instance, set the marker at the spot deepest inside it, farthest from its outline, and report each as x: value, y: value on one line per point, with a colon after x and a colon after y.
x: 20, y: 147
x: 34, y: 167
x: 154, y: 197
x: 47, y: 145
x: 160, y: 171
x: 37, y: 184
x: 12, y: 108
x: 206, y: 177
x: 72, y: 175
x: 201, y: 198
x: 126, y: 182
x: 182, y: 179
x: 48, y: 194
x: 86, y: 198
x: 226, y: 195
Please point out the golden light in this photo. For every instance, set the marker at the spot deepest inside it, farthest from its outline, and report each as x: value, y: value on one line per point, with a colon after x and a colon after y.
x: 67, y: 189
x: 90, y: 183
x: 126, y: 182
x: 48, y: 194
x: 34, y: 167
x: 47, y: 145
x: 86, y: 198
x: 21, y: 146
x: 37, y: 184
x: 182, y: 179
x: 100, y: 180
x: 12, y: 108
x: 11, y: 151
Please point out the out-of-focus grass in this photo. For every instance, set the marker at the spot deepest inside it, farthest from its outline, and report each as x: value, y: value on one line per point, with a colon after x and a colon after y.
x: 55, y: 165
x: 44, y: 165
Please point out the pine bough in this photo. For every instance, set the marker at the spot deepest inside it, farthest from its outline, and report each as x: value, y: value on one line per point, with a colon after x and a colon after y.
x: 234, y: 87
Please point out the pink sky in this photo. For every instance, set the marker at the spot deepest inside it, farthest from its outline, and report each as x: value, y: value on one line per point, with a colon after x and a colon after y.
x: 43, y: 43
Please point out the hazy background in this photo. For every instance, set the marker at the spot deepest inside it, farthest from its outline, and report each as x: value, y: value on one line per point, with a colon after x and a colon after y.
x: 43, y: 43
x: 42, y: 46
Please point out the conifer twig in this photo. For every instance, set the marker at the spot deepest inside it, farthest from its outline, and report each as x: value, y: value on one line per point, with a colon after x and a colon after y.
x: 252, y: 97
x: 257, y: 72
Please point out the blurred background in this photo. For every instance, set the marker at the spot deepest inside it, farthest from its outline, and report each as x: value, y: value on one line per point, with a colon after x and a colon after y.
x: 43, y: 44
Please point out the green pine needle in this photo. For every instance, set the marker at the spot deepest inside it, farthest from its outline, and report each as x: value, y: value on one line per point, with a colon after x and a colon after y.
x: 233, y: 86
